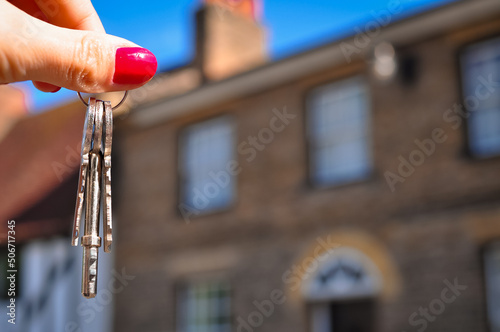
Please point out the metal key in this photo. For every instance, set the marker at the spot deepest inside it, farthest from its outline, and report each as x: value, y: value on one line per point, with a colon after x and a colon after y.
x: 88, y: 131
x: 107, y: 223
x: 94, y: 189
x: 91, y: 240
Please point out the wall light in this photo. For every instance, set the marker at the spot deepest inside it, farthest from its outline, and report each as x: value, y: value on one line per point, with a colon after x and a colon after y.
x: 385, y: 65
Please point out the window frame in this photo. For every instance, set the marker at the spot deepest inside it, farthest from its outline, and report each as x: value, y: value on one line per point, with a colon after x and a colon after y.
x: 483, y: 257
x: 310, y: 160
x: 182, y: 174
x: 182, y: 287
x: 467, y: 150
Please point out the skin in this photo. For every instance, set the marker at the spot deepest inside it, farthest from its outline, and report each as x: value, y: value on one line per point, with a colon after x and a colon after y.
x: 57, y: 43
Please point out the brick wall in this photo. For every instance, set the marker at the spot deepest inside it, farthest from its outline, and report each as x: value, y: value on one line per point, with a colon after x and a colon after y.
x: 431, y: 228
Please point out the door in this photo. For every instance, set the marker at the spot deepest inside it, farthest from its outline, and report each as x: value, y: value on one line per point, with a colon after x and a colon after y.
x: 344, y: 316
x: 352, y: 316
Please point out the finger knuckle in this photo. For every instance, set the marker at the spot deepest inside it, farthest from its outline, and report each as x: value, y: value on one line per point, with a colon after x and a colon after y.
x: 86, y: 64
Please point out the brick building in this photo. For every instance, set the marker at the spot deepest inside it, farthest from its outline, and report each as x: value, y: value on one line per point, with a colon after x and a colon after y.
x: 346, y: 188
x: 352, y: 187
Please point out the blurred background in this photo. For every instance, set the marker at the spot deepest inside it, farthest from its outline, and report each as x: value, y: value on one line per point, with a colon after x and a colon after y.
x: 308, y: 166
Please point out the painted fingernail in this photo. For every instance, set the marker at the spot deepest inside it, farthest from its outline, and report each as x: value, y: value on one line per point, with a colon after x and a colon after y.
x: 134, y: 65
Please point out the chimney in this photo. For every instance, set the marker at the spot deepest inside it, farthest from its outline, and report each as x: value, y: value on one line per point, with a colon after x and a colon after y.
x: 229, y: 38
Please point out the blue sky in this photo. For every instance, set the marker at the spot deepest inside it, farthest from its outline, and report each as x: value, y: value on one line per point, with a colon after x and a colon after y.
x: 166, y: 28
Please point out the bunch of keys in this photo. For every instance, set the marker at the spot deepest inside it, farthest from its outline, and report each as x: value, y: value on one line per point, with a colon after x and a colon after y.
x: 94, y: 189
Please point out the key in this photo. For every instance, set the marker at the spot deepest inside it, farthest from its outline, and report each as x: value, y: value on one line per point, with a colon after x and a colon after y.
x: 88, y: 131
x: 107, y: 223
x: 91, y: 240
x: 94, y: 189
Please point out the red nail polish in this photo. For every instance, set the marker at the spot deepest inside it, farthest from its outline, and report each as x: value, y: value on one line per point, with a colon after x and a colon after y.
x: 134, y: 65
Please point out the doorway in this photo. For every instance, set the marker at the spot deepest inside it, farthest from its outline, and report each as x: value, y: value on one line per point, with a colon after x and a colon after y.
x: 344, y: 316
x: 341, y: 294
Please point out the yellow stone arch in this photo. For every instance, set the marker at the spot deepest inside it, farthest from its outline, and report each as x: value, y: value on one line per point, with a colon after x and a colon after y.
x: 358, y: 240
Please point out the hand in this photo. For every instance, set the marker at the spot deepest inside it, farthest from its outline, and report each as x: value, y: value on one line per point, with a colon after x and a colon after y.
x: 62, y: 43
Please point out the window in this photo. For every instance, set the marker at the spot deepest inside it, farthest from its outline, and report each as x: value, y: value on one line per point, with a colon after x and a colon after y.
x: 339, y: 132
x: 492, y: 275
x: 481, y: 67
x: 204, y: 307
x: 207, y: 149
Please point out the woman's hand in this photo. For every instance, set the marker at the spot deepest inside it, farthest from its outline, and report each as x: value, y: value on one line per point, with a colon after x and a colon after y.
x: 62, y: 43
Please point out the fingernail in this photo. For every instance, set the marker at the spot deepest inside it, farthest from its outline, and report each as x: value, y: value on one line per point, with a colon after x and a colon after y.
x: 134, y: 65
x: 56, y: 89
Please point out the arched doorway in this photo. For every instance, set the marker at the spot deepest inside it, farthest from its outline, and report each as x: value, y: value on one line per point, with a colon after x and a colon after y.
x: 341, y: 295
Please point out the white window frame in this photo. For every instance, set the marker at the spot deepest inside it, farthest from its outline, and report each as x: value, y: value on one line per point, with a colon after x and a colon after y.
x: 193, y: 309
x: 328, y: 99
x: 212, y: 188
x: 491, y: 257
x: 478, y: 61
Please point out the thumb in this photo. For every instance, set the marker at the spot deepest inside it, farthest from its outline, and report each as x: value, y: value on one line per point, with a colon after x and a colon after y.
x: 84, y: 61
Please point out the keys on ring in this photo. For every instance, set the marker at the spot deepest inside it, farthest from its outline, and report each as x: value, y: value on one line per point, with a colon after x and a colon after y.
x: 94, y: 188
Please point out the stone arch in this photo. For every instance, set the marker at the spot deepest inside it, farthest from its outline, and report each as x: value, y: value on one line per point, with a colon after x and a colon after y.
x: 345, y: 273
x: 369, y: 251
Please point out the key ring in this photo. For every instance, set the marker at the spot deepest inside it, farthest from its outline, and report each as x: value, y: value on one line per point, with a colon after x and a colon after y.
x: 112, y: 108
